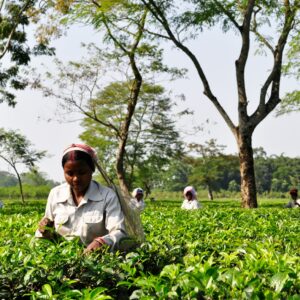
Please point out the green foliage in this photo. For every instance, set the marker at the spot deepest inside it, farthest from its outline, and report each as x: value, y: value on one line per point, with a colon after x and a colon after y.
x: 211, y: 168
x: 36, y: 178
x: 7, y: 179
x: 15, y: 149
x: 289, y: 104
x: 29, y: 191
x: 15, y: 17
x: 218, y: 252
x: 152, y: 139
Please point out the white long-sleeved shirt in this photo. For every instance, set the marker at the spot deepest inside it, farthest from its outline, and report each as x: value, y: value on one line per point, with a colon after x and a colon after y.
x: 293, y: 204
x: 192, y: 204
x: 98, y: 214
x: 137, y: 205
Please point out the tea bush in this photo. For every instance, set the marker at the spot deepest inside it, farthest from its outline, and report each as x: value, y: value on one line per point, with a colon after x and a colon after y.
x: 218, y: 252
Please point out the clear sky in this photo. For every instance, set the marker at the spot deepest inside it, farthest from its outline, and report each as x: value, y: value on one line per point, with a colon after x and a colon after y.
x: 33, y: 116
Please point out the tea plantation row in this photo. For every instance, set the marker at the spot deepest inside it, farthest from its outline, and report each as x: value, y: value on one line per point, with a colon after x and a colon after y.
x: 218, y: 252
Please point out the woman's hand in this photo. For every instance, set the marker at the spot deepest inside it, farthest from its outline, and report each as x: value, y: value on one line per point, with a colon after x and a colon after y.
x: 94, y: 245
x: 43, y: 224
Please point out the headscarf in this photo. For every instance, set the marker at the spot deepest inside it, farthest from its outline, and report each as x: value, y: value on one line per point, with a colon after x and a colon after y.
x: 82, y: 147
x: 72, y: 152
x: 137, y: 191
x: 191, y: 190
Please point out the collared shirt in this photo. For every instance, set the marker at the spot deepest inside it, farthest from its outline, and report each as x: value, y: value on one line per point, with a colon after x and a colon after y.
x: 98, y: 214
x: 192, y: 204
x: 137, y: 205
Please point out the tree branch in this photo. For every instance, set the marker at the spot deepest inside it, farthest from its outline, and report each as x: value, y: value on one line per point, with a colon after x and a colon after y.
x: 274, y: 77
x: 240, y: 64
x: 260, y: 36
x: 228, y: 14
x: 13, y: 30
x: 160, y: 17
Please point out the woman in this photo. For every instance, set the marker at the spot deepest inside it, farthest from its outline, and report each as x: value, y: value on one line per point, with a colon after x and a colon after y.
x: 190, y: 201
x: 294, y: 202
x: 81, y: 207
x: 137, y: 202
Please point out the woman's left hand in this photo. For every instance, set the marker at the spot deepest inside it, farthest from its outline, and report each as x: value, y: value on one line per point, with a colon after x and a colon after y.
x: 94, y: 245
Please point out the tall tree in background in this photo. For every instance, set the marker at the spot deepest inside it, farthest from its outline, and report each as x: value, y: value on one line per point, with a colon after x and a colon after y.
x: 179, y: 20
x: 264, y: 169
x: 211, y: 168
x: 122, y: 26
x: 15, y: 149
x: 14, y: 50
x: 37, y: 178
x: 152, y: 138
x: 123, y: 30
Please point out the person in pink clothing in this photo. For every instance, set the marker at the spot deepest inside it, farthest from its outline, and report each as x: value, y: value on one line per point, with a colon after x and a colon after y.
x: 190, y: 199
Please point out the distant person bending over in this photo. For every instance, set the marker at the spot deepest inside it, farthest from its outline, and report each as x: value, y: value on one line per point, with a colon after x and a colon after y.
x: 190, y: 201
x: 295, y: 202
x: 82, y: 207
x: 1, y: 204
x: 137, y: 202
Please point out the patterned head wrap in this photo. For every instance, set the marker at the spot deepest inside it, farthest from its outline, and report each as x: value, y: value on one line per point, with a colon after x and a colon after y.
x: 191, y: 190
x: 82, y: 147
x: 72, y: 151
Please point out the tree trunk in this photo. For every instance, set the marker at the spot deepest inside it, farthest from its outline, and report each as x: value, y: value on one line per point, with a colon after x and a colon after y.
x: 248, y: 185
x: 120, y: 168
x: 210, y: 193
x: 20, y: 185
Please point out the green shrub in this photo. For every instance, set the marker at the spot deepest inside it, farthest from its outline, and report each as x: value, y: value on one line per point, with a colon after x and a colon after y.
x: 218, y: 252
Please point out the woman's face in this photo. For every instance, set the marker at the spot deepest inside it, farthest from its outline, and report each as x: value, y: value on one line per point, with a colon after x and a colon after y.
x: 78, y: 175
x: 139, y: 197
x: 189, y: 196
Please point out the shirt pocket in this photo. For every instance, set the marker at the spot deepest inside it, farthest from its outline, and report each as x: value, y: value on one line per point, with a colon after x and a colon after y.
x: 93, y: 226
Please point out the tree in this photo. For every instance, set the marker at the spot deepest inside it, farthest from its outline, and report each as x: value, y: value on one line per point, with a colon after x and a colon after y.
x: 14, y: 17
x: 152, y: 138
x: 36, y: 178
x: 212, y: 169
x: 285, y: 173
x: 206, y: 171
x: 264, y: 169
x: 16, y: 149
x: 246, y: 18
x: 7, y: 179
x: 175, y: 177
x: 126, y: 42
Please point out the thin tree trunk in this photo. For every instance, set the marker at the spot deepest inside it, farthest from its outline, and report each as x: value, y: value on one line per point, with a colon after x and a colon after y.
x: 210, y: 193
x: 120, y: 168
x: 248, y: 185
x: 21, y: 186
